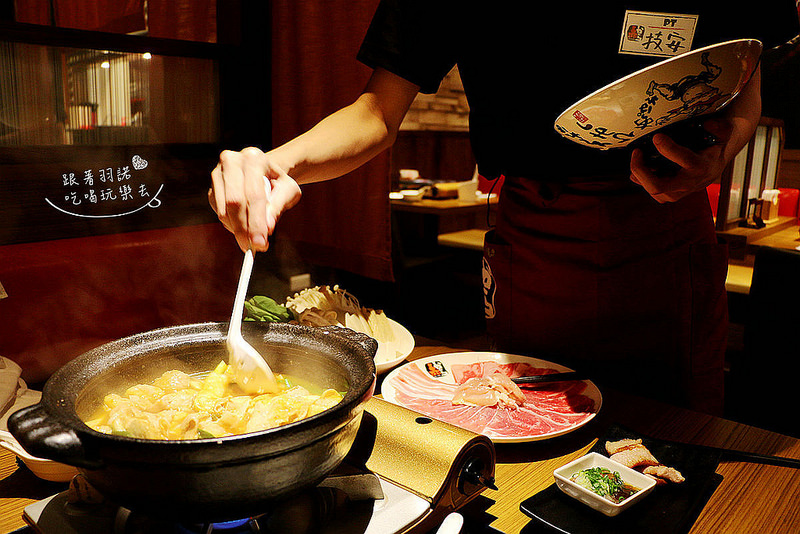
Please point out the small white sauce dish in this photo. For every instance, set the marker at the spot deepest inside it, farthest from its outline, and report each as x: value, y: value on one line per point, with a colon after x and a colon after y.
x: 588, y: 497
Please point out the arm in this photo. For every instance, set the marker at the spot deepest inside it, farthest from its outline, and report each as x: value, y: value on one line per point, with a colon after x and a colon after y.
x: 338, y: 144
x: 698, y: 169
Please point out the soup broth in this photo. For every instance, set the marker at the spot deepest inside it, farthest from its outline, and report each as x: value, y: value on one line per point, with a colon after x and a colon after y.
x: 180, y: 406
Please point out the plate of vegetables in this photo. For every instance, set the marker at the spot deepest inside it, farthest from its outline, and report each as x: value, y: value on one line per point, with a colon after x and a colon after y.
x: 333, y: 306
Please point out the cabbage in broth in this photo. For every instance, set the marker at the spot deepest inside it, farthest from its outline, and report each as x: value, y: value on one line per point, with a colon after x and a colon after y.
x: 178, y: 406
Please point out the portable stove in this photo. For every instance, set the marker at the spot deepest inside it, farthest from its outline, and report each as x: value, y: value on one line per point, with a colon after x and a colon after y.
x: 404, y: 474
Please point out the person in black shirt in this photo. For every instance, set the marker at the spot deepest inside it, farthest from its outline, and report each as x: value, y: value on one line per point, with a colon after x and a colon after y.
x: 597, y: 261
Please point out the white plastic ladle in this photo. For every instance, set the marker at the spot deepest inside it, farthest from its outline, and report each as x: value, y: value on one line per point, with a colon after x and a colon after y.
x: 452, y: 524
x: 250, y: 370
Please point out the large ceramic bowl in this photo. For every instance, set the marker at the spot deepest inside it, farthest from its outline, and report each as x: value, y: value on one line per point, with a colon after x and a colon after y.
x: 689, y: 85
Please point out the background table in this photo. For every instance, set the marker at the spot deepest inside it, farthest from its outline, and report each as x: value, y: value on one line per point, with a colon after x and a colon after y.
x: 418, y: 224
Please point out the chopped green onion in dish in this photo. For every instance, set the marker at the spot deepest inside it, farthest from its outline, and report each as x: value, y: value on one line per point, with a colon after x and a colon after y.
x: 604, y: 482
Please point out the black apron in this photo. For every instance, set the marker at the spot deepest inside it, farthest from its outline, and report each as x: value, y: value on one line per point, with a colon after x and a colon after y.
x: 600, y: 277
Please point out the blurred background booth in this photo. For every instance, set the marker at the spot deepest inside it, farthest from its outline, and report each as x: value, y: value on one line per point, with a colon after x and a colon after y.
x: 112, y: 116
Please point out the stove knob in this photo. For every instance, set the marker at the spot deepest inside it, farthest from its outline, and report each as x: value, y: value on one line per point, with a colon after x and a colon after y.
x: 473, y: 473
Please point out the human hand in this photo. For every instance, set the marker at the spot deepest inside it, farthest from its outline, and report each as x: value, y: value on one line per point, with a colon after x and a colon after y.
x: 249, y: 192
x: 695, y: 169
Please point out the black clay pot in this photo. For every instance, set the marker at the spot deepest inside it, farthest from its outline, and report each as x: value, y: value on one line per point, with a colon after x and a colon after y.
x: 207, y: 479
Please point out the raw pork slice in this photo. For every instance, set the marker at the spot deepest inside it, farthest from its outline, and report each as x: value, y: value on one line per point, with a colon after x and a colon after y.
x: 547, y: 409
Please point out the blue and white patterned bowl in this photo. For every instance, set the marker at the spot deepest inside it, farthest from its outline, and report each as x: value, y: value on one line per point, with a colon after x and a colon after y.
x: 688, y: 85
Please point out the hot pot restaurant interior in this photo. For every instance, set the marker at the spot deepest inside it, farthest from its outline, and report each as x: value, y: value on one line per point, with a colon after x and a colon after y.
x: 396, y: 266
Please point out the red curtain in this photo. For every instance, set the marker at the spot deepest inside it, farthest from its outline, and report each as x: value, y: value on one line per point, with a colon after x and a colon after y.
x: 344, y: 223
x: 32, y: 11
x: 117, y: 16
x: 191, y: 20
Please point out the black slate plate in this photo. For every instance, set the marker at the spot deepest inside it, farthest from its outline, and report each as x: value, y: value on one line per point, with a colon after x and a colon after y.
x: 671, y: 508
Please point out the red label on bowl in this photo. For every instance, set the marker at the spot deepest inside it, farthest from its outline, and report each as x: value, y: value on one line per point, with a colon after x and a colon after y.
x: 580, y: 117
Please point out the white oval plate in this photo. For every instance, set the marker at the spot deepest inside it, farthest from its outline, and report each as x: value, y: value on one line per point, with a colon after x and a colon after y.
x: 688, y: 85
x: 402, y: 346
x: 433, y: 387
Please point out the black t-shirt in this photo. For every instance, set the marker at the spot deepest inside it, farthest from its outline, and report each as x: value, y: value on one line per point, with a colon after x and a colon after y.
x: 522, y: 67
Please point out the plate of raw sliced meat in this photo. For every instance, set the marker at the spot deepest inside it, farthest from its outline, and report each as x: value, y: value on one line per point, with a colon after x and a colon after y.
x: 474, y: 390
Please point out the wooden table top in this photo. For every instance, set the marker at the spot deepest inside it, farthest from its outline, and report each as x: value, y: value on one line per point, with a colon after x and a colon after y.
x: 740, y: 272
x: 471, y: 239
x: 738, y: 280
x: 787, y: 237
x: 751, y: 497
x: 19, y: 488
x: 444, y: 205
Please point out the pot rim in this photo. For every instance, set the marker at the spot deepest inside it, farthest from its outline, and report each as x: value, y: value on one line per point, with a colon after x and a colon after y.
x: 208, y: 332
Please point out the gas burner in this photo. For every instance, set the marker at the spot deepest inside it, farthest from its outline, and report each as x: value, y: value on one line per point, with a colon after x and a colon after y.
x: 238, y: 526
x: 363, y: 503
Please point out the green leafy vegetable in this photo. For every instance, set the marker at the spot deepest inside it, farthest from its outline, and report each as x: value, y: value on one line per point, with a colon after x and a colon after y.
x: 606, y: 483
x: 260, y: 308
x: 205, y: 434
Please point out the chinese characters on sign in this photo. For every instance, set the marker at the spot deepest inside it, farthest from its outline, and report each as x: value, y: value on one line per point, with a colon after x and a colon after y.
x: 115, y: 188
x: 657, y: 34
